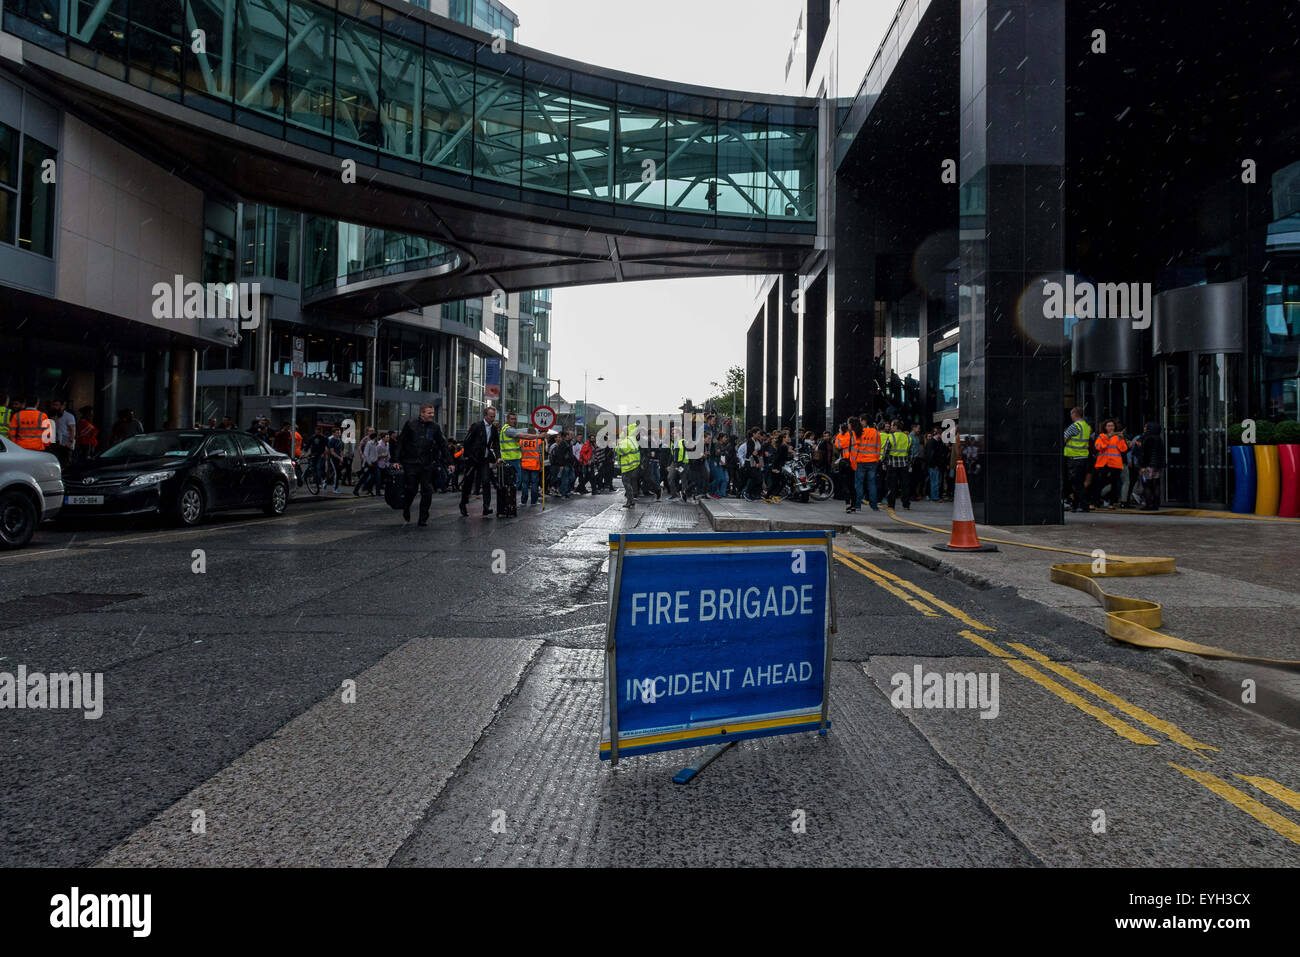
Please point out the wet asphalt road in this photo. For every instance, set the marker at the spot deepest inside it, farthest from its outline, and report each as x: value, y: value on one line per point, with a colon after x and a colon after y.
x: 471, y: 737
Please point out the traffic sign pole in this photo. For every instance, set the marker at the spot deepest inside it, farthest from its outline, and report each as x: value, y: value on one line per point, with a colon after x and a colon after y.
x: 543, y: 418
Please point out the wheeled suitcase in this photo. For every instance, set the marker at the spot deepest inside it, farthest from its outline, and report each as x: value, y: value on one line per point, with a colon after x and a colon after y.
x: 394, y: 487
x: 507, y: 498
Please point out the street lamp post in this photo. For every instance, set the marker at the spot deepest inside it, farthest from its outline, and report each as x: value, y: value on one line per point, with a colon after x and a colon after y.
x: 599, y: 378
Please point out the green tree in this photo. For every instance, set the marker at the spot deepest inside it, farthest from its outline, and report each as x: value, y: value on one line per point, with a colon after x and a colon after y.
x: 729, y: 401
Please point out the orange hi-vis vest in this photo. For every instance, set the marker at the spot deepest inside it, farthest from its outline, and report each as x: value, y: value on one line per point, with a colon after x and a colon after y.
x: 842, y: 441
x: 27, y: 428
x: 532, y: 453
x: 1109, y: 449
x: 865, y: 447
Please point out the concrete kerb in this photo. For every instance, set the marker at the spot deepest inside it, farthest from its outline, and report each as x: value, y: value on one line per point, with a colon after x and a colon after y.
x: 1278, y: 691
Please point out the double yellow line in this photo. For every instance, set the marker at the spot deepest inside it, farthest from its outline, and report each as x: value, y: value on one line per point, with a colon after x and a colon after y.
x: 926, y: 602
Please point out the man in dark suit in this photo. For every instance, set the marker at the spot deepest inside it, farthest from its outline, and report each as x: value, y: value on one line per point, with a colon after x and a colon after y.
x: 481, y: 452
x: 420, y: 447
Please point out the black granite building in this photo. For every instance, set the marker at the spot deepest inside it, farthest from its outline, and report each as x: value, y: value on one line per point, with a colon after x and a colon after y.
x: 984, y: 157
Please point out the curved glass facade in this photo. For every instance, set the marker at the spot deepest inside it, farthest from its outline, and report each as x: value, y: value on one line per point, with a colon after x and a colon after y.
x: 339, y: 253
x: 373, y: 82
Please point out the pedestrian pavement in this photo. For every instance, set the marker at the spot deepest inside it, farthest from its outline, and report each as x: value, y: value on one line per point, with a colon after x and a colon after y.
x: 1235, y: 587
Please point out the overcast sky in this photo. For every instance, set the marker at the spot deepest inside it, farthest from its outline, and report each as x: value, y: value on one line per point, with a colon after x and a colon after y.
x: 657, y: 342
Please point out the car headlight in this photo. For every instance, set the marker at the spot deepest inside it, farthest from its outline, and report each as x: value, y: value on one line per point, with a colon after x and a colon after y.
x: 151, y: 478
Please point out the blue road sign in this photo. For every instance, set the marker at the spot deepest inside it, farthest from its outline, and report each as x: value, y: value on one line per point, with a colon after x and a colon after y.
x: 715, y: 637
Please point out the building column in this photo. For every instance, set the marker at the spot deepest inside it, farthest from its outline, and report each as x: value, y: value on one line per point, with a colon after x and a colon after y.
x: 262, y: 352
x: 183, y: 364
x: 772, y: 357
x: 754, y: 372
x: 1011, y: 243
x: 370, y: 375
x: 850, y: 304
x: 789, y: 349
x: 812, y: 358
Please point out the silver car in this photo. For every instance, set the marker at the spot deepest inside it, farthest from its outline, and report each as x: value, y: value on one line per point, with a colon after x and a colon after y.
x: 31, y: 490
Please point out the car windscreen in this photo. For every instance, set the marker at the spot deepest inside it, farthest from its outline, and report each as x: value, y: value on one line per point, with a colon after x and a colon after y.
x: 155, y: 445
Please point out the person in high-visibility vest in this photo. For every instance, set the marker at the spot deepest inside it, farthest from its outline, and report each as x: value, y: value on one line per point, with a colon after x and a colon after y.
x: 629, y: 464
x: 898, y: 448
x: 864, y: 457
x: 1078, y: 442
x: 676, y: 478
x: 6, y: 414
x: 530, y: 461
x: 511, y: 453
x: 31, y: 428
x: 1111, y: 447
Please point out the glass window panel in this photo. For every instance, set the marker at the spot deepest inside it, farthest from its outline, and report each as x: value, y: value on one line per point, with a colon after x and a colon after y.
x: 792, y: 182
x: 309, y: 77
x: 399, y: 98
x: 8, y: 155
x: 322, y: 251
x: 260, y: 55
x: 742, y: 156
x: 36, y: 211
x: 8, y: 209
x: 641, y: 137
x: 498, y: 118
x: 545, y: 138
x: 286, y: 245
x: 158, y: 43
x: 447, y: 113
x: 356, y: 84
x: 691, y: 178
x: 591, y: 141
x: 100, y: 25
x: 210, y: 72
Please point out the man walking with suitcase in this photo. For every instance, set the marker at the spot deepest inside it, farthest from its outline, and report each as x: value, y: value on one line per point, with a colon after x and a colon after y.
x: 482, y: 448
x: 419, y: 448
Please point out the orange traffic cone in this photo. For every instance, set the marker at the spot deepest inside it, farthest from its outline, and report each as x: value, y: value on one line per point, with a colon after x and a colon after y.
x: 963, y: 537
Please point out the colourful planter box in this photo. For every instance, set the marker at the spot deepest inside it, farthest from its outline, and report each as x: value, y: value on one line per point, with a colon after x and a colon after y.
x: 1243, y: 470
x: 1268, y: 480
x: 1289, y: 463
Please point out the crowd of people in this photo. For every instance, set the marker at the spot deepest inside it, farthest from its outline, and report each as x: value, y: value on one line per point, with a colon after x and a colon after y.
x: 1108, y: 469
x: 71, y: 438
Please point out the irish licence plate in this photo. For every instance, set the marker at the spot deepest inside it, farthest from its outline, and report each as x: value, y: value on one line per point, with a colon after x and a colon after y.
x: 83, y: 500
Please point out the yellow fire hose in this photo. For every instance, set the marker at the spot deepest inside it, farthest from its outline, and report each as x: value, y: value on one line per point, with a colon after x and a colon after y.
x: 1131, y: 620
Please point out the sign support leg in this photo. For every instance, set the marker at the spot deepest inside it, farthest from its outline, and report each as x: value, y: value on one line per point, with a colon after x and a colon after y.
x: 832, y: 624
x: 686, y: 773
x: 610, y: 663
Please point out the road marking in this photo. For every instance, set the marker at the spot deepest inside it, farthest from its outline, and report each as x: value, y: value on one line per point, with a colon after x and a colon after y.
x: 1120, y: 727
x: 1174, y: 733
x: 887, y: 586
x: 44, y: 553
x: 1265, y: 815
x: 1271, y: 787
x: 917, y: 589
x: 996, y: 650
x: 172, y: 535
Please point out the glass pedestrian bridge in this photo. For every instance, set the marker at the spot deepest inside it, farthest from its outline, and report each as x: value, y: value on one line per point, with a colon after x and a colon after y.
x: 442, y: 113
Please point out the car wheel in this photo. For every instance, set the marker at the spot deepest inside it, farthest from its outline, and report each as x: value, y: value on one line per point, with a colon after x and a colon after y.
x: 18, y: 519
x: 279, y: 499
x: 189, y: 505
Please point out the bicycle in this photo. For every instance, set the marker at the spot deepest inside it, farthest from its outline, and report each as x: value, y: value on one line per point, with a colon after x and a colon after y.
x: 308, y: 478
